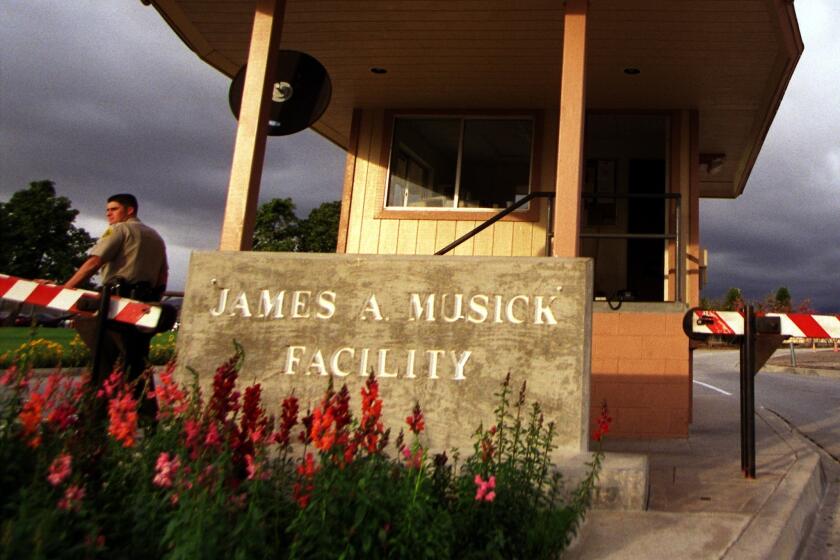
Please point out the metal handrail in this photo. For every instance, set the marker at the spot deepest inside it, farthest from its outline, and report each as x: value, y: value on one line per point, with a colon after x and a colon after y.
x: 489, y: 222
x: 676, y: 236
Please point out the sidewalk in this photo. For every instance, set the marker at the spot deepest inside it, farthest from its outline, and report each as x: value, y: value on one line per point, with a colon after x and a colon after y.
x: 820, y: 363
x: 701, y: 506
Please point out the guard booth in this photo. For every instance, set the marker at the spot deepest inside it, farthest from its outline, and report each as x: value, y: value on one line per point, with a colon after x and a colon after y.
x: 602, y: 121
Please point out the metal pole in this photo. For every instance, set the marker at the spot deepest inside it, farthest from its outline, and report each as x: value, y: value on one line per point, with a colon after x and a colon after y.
x: 101, y: 323
x: 743, y: 401
x: 750, y: 340
x: 792, y: 355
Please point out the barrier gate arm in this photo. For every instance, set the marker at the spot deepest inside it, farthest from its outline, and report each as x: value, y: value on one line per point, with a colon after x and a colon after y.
x: 705, y: 323
x: 74, y: 300
x: 758, y: 336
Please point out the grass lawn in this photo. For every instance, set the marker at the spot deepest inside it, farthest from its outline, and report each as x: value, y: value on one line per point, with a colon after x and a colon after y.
x: 12, y: 337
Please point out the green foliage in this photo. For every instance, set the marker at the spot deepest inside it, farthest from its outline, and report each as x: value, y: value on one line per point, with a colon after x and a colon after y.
x: 37, y: 236
x: 319, y: 231
x: 277, y: 228
x: 217, y: 478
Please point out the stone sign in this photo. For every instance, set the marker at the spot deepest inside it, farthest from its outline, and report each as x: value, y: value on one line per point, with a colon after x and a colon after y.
x: 442, y: 331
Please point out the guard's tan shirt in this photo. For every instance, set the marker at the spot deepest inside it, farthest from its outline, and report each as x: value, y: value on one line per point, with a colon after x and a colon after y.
x: 131, y: 250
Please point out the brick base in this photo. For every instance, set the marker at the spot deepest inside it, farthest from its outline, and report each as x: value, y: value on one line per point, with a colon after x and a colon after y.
x: 641, y: 367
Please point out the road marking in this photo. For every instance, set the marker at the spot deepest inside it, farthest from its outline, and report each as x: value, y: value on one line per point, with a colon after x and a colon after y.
x: 713, y: 388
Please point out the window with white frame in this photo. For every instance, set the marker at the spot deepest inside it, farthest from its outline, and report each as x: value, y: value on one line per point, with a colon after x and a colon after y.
x: 459, y: 162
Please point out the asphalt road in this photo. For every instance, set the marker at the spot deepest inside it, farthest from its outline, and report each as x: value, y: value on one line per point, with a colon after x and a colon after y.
x: 811, y: 404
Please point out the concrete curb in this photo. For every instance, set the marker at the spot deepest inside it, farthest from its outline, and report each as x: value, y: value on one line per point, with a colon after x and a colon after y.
x: 815, y: 372
x: 784, y: 521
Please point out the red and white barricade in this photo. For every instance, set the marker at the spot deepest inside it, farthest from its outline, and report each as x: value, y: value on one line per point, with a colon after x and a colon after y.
x: 705, y: 322
x: 72, y: 300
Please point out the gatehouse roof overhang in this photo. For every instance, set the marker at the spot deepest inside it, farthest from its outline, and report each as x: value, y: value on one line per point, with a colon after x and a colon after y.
x: 730, y: 60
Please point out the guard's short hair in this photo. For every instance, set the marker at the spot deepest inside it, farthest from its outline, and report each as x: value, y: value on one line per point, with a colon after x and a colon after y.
x: 125, y: 199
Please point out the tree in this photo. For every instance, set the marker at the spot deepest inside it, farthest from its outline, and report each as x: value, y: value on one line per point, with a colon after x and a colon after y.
x: 37, y: 236
x: 277, y: 228
x: 782, y: 301
x: 319, y: 231
x: 732, y: 301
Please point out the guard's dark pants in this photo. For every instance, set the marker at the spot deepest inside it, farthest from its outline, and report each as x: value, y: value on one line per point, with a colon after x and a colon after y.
x: 126, y: 345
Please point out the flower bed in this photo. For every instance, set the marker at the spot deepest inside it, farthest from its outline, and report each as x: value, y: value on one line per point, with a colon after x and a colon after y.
x: 217, y: 477
x: 38, y: 352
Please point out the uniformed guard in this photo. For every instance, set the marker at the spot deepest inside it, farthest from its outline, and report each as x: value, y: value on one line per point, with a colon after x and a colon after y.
x: 132, y: 257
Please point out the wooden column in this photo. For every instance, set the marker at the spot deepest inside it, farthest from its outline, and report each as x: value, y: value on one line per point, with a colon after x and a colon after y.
x: 570, y: 140
x: 249, y: 150
x: 692, y: 207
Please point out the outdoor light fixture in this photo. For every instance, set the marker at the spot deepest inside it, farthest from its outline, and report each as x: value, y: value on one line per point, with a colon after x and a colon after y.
x: 711, y: 163
x: 378, y: 70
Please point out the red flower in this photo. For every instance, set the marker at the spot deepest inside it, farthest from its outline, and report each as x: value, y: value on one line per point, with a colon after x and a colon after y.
x: 63, y: 416
x: 303, y: 488
x: 9, y: 376
x: 110, y: 385
x: 30, y: 419
x: 305, y: 435
x: 604, y: 421
x: 288, y: 420
x: 254, y: 422
x: 122, y: 416
x: 213, y: 439
x: 415, y: 422
x: 323, y: 429
x: 172, y: 399
x: 369, y: 432
x: 224, y: 399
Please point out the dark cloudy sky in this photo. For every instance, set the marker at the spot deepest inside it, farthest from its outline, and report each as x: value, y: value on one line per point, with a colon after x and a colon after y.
x: 102, y: 97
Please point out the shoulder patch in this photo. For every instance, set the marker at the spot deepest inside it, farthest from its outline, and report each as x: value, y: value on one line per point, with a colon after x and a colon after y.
x: 108, y: 232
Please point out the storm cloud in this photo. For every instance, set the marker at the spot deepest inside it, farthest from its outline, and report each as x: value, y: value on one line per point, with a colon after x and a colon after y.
x: 102, y: 97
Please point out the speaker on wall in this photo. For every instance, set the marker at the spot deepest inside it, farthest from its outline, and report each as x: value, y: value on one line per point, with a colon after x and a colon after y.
x: 300, y: 93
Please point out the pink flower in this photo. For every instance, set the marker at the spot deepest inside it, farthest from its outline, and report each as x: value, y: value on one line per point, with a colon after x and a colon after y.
x: 251, y: 466
x: 165, y: 469
x: 413, y: 460
x: 72, y: 499
x: 485, y: 489
x: 60, y: 469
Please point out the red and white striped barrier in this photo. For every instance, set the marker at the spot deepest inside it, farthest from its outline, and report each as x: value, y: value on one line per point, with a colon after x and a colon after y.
x: 122, y: 309
x: 805, y: 325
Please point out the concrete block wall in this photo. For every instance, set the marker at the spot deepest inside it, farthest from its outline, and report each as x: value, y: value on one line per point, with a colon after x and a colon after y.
x: 641, y: 366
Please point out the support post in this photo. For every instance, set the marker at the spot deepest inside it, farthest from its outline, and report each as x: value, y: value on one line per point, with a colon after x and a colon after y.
x: 249, y: 150
x: 570, y: 131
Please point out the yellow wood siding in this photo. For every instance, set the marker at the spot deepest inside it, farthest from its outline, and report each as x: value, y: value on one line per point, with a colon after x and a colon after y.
x: 368, y: 233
